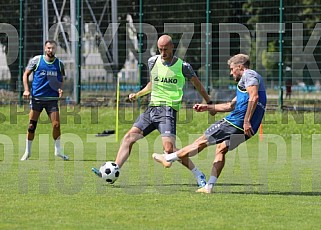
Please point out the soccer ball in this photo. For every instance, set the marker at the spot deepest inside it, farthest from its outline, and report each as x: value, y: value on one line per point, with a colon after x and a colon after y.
x: 109, y: 171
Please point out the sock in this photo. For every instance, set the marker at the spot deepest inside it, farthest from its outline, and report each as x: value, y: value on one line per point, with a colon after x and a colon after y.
x: 171, y: 157
x: 57, y: 146
x: 28, y: 146
x: 196, y: 172
x: 211, y: 182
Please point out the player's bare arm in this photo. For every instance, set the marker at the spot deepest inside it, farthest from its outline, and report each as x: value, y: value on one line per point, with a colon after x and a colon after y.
x: 253, y: 99
x: 213, y: 109
x: 200, y: 88
x: 146, y: 90
x: 26, y: 93
x: 60, y: 90
x: 201, y: 107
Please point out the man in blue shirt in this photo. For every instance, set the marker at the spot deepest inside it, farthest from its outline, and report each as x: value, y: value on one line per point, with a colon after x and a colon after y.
x: 247, y: 111
x: 48, y: 72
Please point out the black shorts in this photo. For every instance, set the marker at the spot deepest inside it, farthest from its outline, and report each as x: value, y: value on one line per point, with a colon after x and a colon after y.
x: 50, y: 106
x: 224, y: 131
x: 162, y: 118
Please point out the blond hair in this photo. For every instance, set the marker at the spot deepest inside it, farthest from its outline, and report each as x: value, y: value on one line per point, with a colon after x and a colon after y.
x: 240, y: 59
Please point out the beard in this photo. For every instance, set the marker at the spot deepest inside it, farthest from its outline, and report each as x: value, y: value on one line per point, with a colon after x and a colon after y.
x: 237, y: 78
x: 51, y: 55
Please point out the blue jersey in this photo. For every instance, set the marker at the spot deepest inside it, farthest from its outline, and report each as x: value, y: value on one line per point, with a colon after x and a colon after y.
x: 47, y: 78
x: 236, y: 117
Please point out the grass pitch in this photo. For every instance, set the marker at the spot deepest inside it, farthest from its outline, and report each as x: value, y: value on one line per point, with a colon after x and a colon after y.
x: 270, y: 182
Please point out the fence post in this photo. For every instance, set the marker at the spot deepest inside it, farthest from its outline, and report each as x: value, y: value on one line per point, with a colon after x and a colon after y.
x: 281, y: 30
x: 21, y: 42
x: 78, y: 50
x: 208, y: 46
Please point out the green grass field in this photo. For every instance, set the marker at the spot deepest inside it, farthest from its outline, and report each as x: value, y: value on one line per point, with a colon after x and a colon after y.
x: 273, y: 183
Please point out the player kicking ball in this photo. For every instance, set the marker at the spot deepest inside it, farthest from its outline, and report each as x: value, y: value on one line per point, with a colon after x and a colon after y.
x: 168, y: 75
x: 246, y: 113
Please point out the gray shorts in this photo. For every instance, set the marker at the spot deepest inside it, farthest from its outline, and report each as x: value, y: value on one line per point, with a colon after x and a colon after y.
x: 223, y: 131
x: 162, y: 118
x: 49, y: 106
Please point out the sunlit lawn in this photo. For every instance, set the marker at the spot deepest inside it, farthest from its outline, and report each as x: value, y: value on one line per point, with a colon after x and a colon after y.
x: 270, y: 182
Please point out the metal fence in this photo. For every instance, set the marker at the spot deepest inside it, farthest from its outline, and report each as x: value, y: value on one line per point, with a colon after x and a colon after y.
x: 102, y: 41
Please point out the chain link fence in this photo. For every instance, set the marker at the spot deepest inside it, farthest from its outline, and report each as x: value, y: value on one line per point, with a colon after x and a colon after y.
x: 103, y: 42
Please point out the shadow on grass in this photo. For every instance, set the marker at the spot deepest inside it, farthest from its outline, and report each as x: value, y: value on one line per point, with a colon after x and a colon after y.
x: 263, y: 191
x: 70, y: 160
x: 278, y: 193
x: 139, y: 185
x: 180, y: 187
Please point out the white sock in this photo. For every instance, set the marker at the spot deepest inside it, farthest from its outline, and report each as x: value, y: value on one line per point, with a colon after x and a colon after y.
x: 28, y: 146
x: 196, y: 172
x: 57, y: 146
x: 211, y: 182
x: 171, y: 157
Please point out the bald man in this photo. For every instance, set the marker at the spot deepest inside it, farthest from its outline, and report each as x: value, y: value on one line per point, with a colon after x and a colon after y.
x: 167, y: 79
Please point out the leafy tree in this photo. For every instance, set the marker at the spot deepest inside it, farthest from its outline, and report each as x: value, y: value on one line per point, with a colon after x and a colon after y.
x: 155, y: 13
x: 302, y: 11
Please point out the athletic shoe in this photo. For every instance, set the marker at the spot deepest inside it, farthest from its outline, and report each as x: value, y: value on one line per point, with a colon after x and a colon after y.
x: 201, y: 180
x: 62, y: 156
x: 160, y: 158
x: 25, y: 156
x: 205, y: 189
x: 96, y: 171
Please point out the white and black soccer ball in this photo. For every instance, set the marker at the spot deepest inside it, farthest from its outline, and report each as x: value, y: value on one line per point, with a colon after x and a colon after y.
x: 109, y: 171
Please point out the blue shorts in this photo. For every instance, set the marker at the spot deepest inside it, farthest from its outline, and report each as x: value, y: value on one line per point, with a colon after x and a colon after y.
x: 224, y: 131
x: 162, y: 118
x: 49, y: 106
